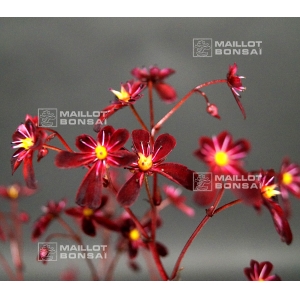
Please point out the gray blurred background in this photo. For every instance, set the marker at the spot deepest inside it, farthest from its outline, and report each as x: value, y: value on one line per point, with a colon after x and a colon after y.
x: 70, y: 64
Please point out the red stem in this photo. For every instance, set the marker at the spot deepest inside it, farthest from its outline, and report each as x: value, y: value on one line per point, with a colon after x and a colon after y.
x: 150, y: 90
x: 187, y: 245
x: 78, y: 239
x: 137, y: 223
x: 183, y: 100
x: 16, y: 241
x: 138, y: 117
x: 59, y: 137
x: 209, y: 214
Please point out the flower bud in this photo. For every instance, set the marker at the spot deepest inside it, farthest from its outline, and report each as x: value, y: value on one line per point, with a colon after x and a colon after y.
x: 213, y: 110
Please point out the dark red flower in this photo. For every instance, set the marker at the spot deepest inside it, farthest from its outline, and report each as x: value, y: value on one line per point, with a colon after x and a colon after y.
x: 265, y: 194
x: 15, y: 191
x: 150, y: 160
x: 51, y: 211
x: 134, y: 239
x: 27, y: 139
x: 98, y: 155
x: 157, y: 76
x: 260, y: 271
x: 88, y: 217
x: 222, y: 155
x: 130, y: 92
x: 235, y: 84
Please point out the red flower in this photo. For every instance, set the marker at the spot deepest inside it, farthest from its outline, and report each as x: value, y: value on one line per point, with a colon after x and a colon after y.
x: 150, y: 160
x: 289, y: 182
x: 174, y: 197
x: 15, y: 191
x: 266, y: 195
x: 165, y: 91
x: 27, y: 139
x: 88, y: 217
x: 133, y: 238
x: 51, y: 211
x: 130, y: 92
x: 98, y: 155
x: 235, y: 84
x: 260, y: 271
x: 222, y: 154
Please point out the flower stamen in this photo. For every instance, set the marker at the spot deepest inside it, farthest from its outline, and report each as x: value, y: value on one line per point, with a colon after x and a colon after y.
x: 101, y: 152
x: 145, y: 163
x: 221, y: 158
x: 87, y: 212
x: 287, y: 178
x: 12, y: 192
x: 134, y: 234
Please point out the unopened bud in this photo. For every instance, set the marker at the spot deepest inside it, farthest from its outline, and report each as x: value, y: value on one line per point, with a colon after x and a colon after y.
x: 213, y: 110
x: 42, y: 153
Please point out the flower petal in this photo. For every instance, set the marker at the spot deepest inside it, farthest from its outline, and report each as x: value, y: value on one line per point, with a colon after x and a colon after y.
x: 89, y: 192
x: 281, y: 223
x: 166, y: 92
x: 130, y: 190
x: 85, y: 143
x: 177, y: 173
x: 239, y: 103
x: 141, y: 138
x: 121, y: 158
x: 28, y: 171
x: 106, y: 113
x: 105, y: 134
x: 74, y: 212
x: 65, y: 159
x: 88, y: 227
x: 118, y: 139
x: 163, y: 145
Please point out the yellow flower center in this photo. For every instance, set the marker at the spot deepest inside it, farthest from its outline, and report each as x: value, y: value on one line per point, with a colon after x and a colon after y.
x: 145, y: 163
x: 134, y: 235
x: 27, y: 143
x: 268, y: 191
x: 101, y: 152
x: 221, y: 158
x: 287, y: 178
x: 13, y: 192
x: 87, y: 212
x: 123, y: 95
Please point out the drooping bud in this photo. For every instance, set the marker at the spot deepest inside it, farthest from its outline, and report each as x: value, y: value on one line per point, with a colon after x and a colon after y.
x: 213, y: 110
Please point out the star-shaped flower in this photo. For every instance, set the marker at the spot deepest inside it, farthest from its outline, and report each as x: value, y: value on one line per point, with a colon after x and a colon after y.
x: 98, y: 155
x: 150, y: 160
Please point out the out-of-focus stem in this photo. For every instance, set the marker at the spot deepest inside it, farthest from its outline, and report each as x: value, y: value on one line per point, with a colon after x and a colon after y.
x: 59, y: 137
x: 138, y: 117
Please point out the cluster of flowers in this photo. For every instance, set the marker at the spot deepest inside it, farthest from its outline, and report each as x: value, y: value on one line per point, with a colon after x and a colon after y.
x: 105, y: 155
